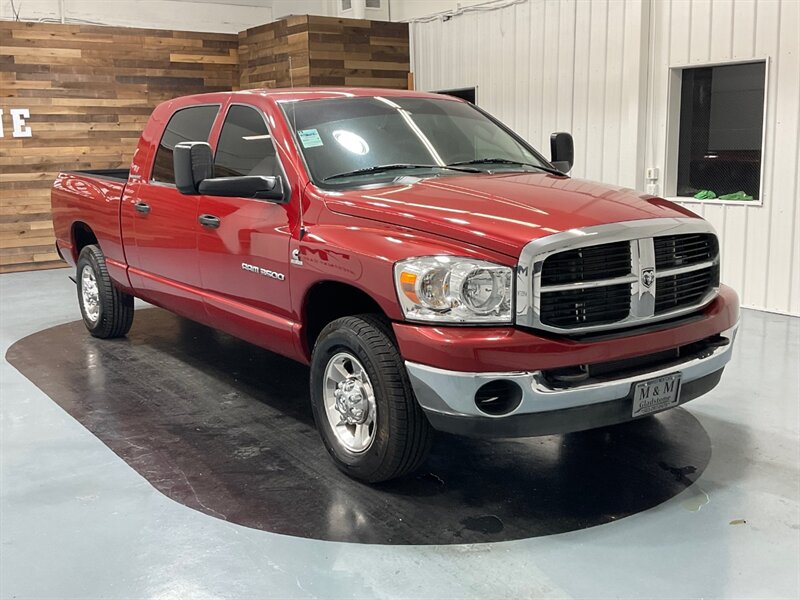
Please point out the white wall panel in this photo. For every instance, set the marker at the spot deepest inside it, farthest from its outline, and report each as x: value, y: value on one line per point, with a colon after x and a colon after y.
x: 759, y: 243
x: 186, y: 15
x: 600, y: 70
x: 284, y: 8
x: 405, y: 10
x: 544, y: 66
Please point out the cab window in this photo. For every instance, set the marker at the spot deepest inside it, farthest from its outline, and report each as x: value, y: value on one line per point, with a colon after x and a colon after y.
x: 245, y: 146
x: 191, y: 124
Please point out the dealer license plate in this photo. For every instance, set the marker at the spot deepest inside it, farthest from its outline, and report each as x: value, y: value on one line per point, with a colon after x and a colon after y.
x: 657, y: 394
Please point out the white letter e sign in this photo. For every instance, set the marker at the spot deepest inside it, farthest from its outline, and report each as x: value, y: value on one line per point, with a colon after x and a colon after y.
x: 19, y: 129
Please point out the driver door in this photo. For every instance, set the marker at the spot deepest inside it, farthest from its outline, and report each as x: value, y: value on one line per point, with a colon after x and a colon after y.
x: 243, y: 243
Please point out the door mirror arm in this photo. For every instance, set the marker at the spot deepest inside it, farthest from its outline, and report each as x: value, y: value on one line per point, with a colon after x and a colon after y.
x: 247, y: 186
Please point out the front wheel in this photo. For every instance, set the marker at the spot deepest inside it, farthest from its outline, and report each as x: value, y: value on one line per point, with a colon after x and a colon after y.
x: 107, y: 311
x: 363, y: 405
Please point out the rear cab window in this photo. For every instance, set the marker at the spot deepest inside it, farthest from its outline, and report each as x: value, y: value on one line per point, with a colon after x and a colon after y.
x: 192, y: 124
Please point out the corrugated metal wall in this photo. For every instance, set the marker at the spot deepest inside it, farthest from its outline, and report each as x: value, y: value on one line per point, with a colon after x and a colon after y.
x: 599, y: 69
x: 548, y: 66
x: 760, y: 244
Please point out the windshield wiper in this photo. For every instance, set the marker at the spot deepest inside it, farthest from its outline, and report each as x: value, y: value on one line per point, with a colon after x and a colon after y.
x: 394, y: 167
x: 504, y: 161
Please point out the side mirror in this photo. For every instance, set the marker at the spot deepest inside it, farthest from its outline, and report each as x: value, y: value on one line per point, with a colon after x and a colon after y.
x: 193, y: 163
x: 562, y: 151
x: 248, y: 186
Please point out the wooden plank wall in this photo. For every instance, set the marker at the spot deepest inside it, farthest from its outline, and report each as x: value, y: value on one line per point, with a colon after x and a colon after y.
x: 264, y: 54
x: 325, y: 51
x: 90, y: 91
x: 358, y: 53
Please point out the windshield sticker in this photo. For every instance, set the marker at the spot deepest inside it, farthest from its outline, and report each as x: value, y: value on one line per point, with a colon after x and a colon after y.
x: 309, y: 138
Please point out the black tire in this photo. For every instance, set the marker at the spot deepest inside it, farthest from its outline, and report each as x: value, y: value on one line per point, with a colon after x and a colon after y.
x: 115, y: 306
x: 403, y: 437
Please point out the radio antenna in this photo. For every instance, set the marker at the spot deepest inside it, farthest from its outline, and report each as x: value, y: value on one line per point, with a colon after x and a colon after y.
x: 294, y: 130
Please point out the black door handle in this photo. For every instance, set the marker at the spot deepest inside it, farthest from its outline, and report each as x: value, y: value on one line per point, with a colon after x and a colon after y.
x: 142, y: 207
x: 209, y: 221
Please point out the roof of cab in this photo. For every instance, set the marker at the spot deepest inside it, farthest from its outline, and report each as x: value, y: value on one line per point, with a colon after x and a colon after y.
x: 320, y: 93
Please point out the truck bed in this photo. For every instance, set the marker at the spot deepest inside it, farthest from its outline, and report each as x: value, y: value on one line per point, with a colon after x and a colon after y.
x: 88, y: 200
x: 113, y: 174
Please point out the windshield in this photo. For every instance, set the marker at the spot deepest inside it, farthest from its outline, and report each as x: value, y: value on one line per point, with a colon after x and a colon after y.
x: 354, y: 141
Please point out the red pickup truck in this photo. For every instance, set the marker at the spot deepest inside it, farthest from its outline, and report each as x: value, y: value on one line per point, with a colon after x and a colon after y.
x: 433, y: 269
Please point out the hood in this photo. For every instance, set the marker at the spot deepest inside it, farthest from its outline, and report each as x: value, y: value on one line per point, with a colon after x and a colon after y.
x: 500, y: 212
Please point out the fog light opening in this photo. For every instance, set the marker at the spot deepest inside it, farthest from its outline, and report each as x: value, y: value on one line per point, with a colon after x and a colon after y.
x: 498, y: 397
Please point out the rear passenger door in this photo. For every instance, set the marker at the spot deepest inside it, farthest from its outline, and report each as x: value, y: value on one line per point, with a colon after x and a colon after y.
x: 244, y: 244
x: 165, y: 220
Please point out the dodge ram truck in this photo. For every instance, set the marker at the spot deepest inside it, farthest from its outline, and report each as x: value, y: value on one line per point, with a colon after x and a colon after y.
x: 431, y: 267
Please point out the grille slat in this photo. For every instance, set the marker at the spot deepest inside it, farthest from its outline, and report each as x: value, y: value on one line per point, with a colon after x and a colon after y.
x: 684, y: 286
x: 692, y: 277
x: 586, y: 307
x: 668, y: 248
x: 688, y: 258
x: 579, y: 308
x: 623, y: 264
x: 588, y: 262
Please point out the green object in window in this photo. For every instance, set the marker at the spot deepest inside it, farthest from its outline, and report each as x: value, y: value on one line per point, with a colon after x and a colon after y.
x: 736, y: 196
x: 705, y: 195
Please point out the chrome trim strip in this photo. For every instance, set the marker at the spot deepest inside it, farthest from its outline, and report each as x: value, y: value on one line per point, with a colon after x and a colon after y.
x: 580, y: 285
x: 453, y: 392
x: 640, y: 234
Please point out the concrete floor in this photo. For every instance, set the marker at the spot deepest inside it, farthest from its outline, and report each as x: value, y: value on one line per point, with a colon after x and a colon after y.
x: 77, y: 522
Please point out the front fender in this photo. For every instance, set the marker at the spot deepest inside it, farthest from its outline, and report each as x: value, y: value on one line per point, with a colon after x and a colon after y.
x: 364, y: 257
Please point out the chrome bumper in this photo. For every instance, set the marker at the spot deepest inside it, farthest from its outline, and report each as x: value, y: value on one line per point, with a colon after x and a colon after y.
x: 452, y: 393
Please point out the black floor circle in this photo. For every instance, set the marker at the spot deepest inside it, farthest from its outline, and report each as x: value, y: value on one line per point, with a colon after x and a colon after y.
x: 225, y: 428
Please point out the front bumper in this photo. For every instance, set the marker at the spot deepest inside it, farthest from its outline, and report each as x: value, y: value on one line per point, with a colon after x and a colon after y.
x: 448, y: 397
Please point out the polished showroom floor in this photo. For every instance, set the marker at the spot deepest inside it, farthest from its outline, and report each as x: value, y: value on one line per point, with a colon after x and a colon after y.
x: 180, y: 463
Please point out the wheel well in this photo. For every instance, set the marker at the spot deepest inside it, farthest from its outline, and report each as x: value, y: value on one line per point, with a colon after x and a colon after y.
x: 331, y: 300
x: 82, y: 236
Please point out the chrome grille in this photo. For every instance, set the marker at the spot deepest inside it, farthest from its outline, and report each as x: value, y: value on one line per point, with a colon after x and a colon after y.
x: 685, y: 289
x: 592, y: 263
x: 592, y: 306
x: 617, y: 275
x: 681, y: 250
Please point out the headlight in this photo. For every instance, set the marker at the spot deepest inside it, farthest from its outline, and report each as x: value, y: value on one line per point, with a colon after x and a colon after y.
x: 454, y: 290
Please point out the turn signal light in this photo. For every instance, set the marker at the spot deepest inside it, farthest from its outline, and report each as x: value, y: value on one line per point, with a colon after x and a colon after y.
x: 408, y: 284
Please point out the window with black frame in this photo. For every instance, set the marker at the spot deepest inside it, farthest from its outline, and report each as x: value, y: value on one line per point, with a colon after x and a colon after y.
x: 192, y: 124
x: 245, y: 146
x: 720, y: 132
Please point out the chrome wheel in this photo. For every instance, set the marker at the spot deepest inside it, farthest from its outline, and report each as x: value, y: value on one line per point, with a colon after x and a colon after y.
x: 350, y: 402
x: 90, y: 294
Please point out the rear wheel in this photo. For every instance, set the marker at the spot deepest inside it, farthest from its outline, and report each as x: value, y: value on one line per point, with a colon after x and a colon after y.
x: 363, y: 405
x: 107, y: 311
